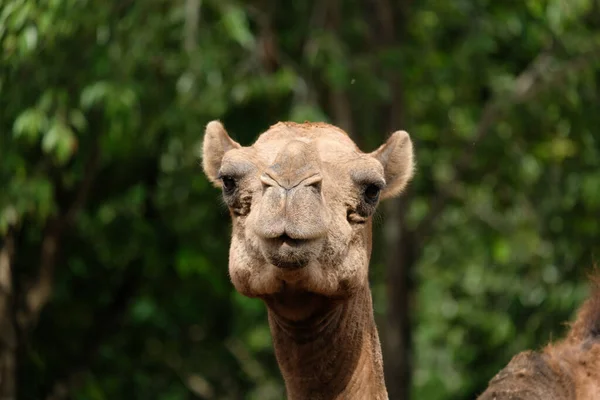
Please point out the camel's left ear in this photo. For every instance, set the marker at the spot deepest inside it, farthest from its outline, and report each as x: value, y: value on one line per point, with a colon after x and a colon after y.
x: 216, y: 143
x: 396, y: 156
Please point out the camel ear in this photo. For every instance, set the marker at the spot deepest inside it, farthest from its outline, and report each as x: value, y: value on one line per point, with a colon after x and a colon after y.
x: 216, y: 143
x: 396, y: 156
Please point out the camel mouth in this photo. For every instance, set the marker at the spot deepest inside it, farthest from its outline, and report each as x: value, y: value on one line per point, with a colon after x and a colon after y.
x: 286, y: 240
x: 286, y: 244
x: 288, y: 253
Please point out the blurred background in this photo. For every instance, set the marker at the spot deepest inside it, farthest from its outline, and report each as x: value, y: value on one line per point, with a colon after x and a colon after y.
x: 113, y: 256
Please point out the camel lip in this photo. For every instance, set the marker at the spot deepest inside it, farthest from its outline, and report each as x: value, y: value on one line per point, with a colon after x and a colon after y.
x: 285, y: 241
x: 281, y: 263
x: 289, y: 254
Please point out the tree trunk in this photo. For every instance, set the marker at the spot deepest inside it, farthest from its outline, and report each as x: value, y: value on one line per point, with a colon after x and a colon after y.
x: 8, y: 336
x: 400, y: 256
x: 399, y: 261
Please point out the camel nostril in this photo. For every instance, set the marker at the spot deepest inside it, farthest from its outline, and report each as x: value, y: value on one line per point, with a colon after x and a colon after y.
x: 314, y: 182
x: 316, y: 186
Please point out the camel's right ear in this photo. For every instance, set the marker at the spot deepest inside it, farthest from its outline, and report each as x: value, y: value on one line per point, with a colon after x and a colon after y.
x: 396, y: 156
x: 216, y: 143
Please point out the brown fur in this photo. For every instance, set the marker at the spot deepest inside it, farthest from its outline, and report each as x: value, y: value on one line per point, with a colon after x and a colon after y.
x: 566, y: 370
x: 301, y: 242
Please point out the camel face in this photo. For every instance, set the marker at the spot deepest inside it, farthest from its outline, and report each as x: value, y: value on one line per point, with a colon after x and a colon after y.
x: 301, y: 199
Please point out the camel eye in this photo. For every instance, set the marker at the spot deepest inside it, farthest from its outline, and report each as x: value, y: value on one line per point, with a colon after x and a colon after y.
x: 229, y: 184
x: 371, y: 193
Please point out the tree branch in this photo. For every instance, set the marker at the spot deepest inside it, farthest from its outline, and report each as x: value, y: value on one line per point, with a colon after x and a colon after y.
x: 192, y: 17
x: 339, y: 101
x: 8, y: 330
x: 39, y: 292
x: 6, y: 257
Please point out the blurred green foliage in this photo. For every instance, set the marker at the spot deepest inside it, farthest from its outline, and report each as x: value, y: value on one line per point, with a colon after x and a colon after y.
x: 102, y: 109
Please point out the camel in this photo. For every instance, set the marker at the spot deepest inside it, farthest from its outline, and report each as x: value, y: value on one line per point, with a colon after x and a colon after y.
x: 566, y: 370
x: 301, y: 200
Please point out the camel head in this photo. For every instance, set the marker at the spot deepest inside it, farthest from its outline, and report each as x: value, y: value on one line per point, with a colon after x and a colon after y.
x: 301, y: 200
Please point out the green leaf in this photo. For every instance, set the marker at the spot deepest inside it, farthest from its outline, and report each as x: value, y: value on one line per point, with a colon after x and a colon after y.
x: 30, y: 123
x: 30, y: 38
x: 51, y: 138
x: 59, y: 139
x: 307, y: 112
x: 94, y: 94
x: 9, y: 216
x: 143, y: 309
x: 46, y: 100
x: 236, y: 25
x: 77, y: 120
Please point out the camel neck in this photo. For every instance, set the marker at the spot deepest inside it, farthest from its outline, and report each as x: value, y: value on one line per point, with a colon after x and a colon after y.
x: 327, y: 349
